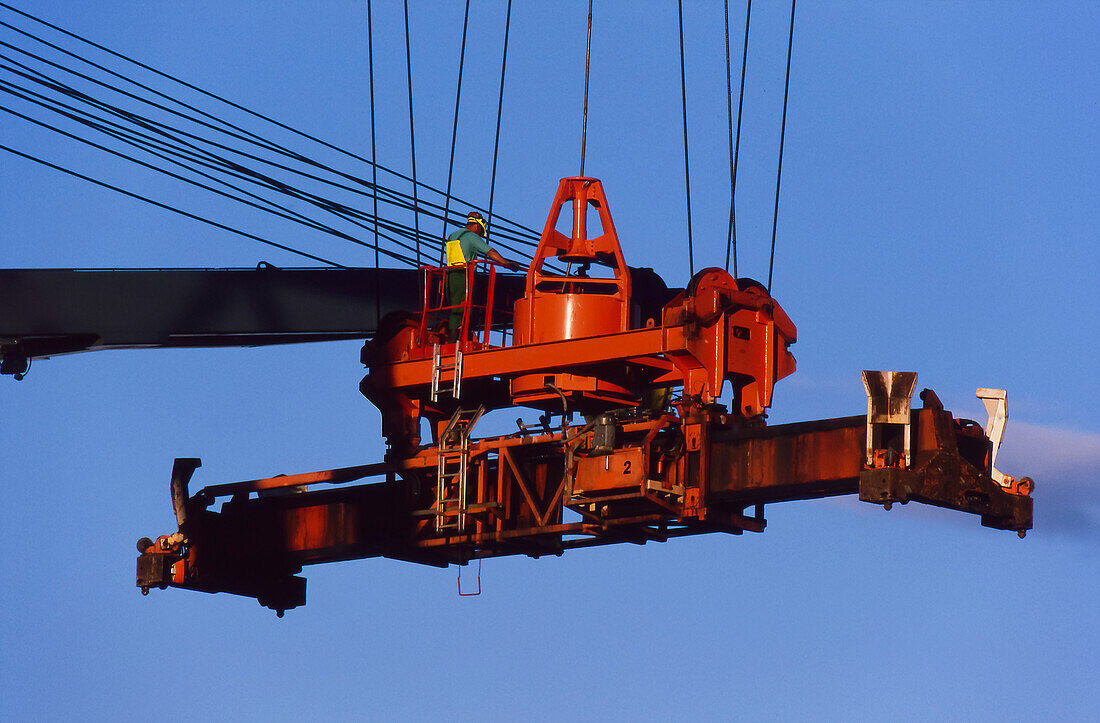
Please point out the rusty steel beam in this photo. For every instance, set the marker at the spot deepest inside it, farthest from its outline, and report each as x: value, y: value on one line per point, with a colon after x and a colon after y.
x: 800, y: 461
x: 714, y: 468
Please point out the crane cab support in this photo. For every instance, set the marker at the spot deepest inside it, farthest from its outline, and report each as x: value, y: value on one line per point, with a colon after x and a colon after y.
x: 579, y: 343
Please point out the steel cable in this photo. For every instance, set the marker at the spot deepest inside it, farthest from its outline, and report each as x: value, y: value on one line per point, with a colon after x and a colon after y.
x: 276, y: 209
x: 687, y: 173
x: 782, y: 135
x: 221, y: 99
x: 128, y: 136
x: 412, y: 134
x: 500, y: 108
x: 325, y: 204
x: 454, y: 128
x: 735, y: 146
x: 121, y: 135
x: 141, y: 120
x: 195, y: 154
x: 171, y: 208
x: 373, y: 153
x: 584, y: 113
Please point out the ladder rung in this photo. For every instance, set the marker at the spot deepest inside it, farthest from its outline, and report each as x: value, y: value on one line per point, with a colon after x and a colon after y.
x: 452, y: 448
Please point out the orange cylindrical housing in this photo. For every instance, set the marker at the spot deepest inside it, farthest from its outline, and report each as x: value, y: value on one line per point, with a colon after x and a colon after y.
x: 557, y: 317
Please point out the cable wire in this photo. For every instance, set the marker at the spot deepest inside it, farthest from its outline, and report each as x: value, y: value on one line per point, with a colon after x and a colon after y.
x: 735, y: 146
x: 373, y: 154
x: 254, y: 138
x: 68, y: 90
x: 172, y: 208
x: 277, y: 209
x: 584, y: 114
x: 500, y: 108
x: 687, y: 173
x: 191, y: 153
x: 121, y: 135
x: 782, y: 135
x: 230, y: 103
x: 412, y: 134
x: 237, y: 169
x: 454, y: 128
x: 129, y: 137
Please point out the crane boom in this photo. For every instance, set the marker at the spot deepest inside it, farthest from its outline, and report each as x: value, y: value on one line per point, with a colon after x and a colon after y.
x: 49, y: 312
x: 45, y: 312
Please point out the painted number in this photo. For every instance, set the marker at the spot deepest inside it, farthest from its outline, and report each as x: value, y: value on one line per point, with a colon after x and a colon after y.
x: 626, y: 467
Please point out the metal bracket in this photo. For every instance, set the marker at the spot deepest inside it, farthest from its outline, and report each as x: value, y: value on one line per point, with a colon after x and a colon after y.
x: 888, y: 396
x: 13, y: 359
x: 996, y: 408
x: 182, y: 469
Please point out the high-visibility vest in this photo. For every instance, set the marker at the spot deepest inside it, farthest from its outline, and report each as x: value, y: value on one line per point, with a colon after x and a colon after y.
x: 453, y: 252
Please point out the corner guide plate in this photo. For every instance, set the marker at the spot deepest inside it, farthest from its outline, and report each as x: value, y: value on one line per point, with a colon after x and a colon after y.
x: 996, y: 409
x: 888, y: 402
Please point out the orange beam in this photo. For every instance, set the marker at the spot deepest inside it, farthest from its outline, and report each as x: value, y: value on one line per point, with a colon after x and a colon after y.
x: 549, y: 355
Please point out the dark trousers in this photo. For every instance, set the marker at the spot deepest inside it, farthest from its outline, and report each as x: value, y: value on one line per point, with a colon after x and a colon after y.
x: 454, y: 294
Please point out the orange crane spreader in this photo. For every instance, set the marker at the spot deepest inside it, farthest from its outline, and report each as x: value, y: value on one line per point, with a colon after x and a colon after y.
x: 644, y: 450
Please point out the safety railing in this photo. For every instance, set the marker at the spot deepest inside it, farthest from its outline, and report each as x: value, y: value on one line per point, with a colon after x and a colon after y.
x: 457, y: 307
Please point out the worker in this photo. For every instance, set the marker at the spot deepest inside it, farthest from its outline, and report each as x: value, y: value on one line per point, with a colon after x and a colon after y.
x: 463, y: 246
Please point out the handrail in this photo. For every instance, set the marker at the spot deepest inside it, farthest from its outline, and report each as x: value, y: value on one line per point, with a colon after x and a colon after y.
x: 434, y: 308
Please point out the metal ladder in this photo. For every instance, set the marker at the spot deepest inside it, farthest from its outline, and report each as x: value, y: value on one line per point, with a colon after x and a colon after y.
x: 452, y: 470
x: 439, y: 368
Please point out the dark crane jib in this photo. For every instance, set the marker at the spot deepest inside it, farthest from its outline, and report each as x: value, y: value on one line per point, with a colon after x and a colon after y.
x: 656, y: 455
x: 46, y: 312
x: 49, y: 312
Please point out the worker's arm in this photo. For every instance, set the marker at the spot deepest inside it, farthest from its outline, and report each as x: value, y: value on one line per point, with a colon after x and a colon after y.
x: 496, y: 258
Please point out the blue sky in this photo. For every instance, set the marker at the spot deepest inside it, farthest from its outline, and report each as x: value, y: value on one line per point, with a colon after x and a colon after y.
x: 939, y: 214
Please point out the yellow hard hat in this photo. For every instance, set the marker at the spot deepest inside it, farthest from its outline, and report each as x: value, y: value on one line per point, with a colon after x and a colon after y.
x: 475, y: 217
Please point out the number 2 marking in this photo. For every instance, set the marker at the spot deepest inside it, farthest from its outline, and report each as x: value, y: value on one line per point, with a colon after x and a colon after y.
x: 626, y: 467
